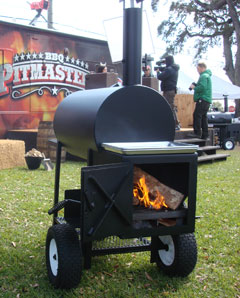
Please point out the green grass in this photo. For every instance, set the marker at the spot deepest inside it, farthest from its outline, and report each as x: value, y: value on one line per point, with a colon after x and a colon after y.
x: 26, y: 196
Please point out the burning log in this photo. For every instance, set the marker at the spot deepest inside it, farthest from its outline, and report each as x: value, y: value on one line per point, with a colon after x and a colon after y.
x: 153, y: 194
x: 167, y: 222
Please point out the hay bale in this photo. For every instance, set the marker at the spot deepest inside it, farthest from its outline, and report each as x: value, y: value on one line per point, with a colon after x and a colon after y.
x: 12, y: 154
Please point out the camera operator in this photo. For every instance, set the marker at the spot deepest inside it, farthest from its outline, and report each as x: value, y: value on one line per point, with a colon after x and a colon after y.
x: 168, y: 76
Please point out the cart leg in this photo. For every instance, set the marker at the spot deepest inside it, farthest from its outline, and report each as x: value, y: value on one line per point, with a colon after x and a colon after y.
x: 57, y: 178
x: 87, y: 252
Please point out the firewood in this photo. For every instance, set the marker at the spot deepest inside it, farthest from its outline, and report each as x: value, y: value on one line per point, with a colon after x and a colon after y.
x: 172, y: 197
x: 167, y: 222
x: 135, y: 201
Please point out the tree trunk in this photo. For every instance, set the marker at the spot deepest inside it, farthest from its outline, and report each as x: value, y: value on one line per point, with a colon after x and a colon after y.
x: 237, y: 108
x: 236, y: 78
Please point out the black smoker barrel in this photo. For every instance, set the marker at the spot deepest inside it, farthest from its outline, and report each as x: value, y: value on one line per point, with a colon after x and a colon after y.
x: 219, y: 117
x: 86, y: 119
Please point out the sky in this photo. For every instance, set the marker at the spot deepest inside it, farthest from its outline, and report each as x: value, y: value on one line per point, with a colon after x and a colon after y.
x: 101, y: 19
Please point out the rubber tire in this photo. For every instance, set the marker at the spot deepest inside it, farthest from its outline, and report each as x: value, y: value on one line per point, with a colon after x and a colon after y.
x: 64, y: 239
x: 228, y: 144
x: 184, y: 255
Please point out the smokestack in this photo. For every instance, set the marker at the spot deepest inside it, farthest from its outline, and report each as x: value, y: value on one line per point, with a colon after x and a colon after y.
x: 132, y: 46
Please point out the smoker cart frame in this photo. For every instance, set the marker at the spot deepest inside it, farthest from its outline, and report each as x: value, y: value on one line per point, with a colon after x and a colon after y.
x: 227, y: 133
x: 74, y: 239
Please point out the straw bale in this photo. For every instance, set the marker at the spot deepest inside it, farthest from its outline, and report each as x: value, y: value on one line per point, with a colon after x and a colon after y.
x: 12, y: 154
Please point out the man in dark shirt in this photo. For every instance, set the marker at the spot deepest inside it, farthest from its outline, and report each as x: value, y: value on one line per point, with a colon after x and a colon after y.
x: 168, y: 77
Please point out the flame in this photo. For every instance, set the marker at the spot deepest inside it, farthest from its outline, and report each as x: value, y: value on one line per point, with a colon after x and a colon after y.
x: 141, y: 192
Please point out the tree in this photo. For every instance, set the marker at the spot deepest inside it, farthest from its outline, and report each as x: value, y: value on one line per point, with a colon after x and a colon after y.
x: 217, y: 106
x: 209, y: 23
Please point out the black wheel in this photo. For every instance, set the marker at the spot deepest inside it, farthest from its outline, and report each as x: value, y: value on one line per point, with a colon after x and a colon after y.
x: 179, y: 256
x: 228, y: 144
x: 63, y: 256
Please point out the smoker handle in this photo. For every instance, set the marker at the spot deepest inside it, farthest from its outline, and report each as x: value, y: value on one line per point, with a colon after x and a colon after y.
x: 60, y: 206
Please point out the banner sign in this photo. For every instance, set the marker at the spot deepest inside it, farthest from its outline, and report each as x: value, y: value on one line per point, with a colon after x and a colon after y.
x: 44, y: 72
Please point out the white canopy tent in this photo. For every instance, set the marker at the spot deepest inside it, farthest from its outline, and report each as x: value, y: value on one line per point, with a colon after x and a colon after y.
x: 220, y: 87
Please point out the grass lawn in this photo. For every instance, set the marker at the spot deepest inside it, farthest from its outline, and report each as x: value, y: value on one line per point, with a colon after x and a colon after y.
x: 26, y: 196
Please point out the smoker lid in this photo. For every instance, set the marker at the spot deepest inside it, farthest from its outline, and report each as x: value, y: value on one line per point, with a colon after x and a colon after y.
x: 86, y: 119
x: 130, y: 148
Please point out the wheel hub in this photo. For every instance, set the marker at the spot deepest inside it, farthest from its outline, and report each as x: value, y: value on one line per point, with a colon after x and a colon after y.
x: 167, y: 255
x: 53, y: 257
x: 229, y: 145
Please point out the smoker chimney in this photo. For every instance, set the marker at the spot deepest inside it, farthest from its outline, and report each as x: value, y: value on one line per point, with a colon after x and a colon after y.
x: 132, y: 46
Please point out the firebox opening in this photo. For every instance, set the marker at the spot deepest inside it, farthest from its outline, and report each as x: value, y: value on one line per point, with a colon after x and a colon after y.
x: 174, y: 175
x: 156, y: 203
x: 155, y: 184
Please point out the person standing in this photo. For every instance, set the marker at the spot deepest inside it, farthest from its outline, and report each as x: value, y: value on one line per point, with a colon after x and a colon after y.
x: 147, y: 72
x: 101, y: 68
x: 203, y: 98
x: 169, y: 76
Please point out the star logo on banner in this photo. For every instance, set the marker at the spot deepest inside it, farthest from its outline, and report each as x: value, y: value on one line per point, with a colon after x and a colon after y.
x: 34, y: 55
x: 77, y: 62
x: 72, y: 60
x: 40, y: 55
x: 67, y: 59
x: 54, y: 91
x: 82, y: 64
x: 22, y: 56
x: 86, y: 65
x: 16, y: 58
x: 28, y: 56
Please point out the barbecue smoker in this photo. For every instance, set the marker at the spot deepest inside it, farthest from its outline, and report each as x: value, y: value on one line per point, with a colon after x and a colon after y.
x: 227, y: 132
x: 119, y: 130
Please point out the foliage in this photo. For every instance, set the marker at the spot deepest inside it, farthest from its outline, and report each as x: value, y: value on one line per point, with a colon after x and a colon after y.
x: 27, y: 195
x: 209, y: 23
x: 217, y: 106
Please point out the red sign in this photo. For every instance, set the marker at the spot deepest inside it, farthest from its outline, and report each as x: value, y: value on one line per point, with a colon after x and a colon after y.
x: 231, y: 109
x: 43, y: 4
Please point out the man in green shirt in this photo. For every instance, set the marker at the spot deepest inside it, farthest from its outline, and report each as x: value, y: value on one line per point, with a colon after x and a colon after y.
x: 203, y: 98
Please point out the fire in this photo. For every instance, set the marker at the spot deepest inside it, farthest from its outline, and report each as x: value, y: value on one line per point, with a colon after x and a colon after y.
x: 141, y: 192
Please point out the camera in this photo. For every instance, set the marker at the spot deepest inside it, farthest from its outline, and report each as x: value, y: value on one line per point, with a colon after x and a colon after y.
x: 192, y: 84
x: 160, y: 65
